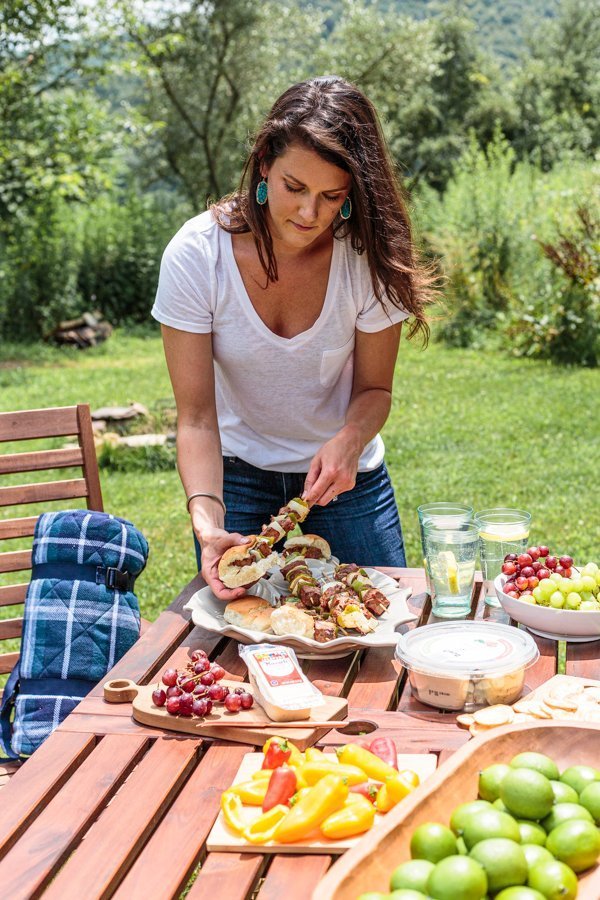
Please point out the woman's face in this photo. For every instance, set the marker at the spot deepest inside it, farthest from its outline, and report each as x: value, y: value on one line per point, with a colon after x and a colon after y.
x: 304, y: 196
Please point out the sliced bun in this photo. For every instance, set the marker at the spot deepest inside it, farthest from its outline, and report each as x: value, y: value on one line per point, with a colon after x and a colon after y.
x: 249, y: 612
x: 309, y: 540
x: 290, y: 620
x: 234, y: 576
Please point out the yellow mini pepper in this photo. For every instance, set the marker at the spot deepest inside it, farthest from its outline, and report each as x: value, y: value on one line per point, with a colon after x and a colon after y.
x: 395, y: 789
x: 355, y: 817
x: 312, y: 809
x: 314, y: 771
x: 231, y: 806
x: 375, y: 768
x: 312, y: 754
x: 252, y: 793
x: 263, y: 828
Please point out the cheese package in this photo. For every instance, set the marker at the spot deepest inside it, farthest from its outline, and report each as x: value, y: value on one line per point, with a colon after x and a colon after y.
x: 279, y: 684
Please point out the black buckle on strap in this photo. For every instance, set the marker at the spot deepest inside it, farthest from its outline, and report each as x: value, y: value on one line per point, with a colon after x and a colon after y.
x: 114, y: 579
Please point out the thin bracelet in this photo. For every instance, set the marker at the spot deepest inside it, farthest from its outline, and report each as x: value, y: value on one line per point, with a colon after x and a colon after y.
x: 205, y: 494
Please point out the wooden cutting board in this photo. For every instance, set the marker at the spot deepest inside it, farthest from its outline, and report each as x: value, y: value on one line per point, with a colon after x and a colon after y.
x: 144, y: 711
x: 221, y: 838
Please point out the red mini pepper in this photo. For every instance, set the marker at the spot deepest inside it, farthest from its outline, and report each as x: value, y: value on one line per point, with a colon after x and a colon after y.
x: 385, y: 749
x: 368, y: 789
x: 282, y: 787
x: 278, y: 752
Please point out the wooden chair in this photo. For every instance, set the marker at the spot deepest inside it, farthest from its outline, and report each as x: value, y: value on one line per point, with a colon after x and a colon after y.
x: 30, y: 425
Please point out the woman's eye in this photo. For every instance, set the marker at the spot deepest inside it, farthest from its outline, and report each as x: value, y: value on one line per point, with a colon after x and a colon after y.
x: 291, y: 189
x: 332, y: 199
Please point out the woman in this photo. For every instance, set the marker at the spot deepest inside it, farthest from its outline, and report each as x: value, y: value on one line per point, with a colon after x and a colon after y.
x: 281, y: 309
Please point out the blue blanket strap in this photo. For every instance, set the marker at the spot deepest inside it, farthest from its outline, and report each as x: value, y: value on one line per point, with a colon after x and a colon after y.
x: 11, y: 689
x: 112, y: 578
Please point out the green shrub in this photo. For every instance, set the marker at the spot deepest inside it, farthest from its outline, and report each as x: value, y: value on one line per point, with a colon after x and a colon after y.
x: 120, y: 458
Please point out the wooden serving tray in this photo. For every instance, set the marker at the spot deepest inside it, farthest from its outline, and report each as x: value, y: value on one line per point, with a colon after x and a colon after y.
x: 368, y: 866
x: 258, y: 725
x: 222, y: 839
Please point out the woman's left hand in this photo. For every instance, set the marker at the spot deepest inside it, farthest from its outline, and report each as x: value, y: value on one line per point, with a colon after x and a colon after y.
x: 333, y: 469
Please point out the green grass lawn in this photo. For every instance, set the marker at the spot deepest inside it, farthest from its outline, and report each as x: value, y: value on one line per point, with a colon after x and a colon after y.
x: 466, y: 426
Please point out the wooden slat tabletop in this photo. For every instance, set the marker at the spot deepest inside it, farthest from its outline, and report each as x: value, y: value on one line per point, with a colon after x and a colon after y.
x: 108, y: 807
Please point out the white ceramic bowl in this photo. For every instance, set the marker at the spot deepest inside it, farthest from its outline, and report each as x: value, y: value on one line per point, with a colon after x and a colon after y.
x: 556, y: 624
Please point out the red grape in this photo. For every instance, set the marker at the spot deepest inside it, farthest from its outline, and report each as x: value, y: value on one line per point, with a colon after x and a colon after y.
x: 527, y: 571
x: 521, y: 582
x: 197, y: 655
x: 566, y: 562
x: 513, y: 594
x: 218, y: 671
x: 247, y: 700
x: 173, y: 706
x: 187, y: 685
x: 534, y: 553
x: 217, y: 693
x: 543, y: 573
x: 209, y: 706
x: 169, y: 677
x: 560, y: 571
x: 551, y: 562
x: 524, y: 559
x: 567, y: 572
x: 544, y: 551
x: 509, y: 568
x: 239, y: 690
x: 233, y: 702
x: 202, y: 665
x: 537, y: 565
x: 159, y: 698
x: 207, y: 679
x: 510, y: 557
x: 199, y: 707
x: 174, y: 691
x: 533, y: 581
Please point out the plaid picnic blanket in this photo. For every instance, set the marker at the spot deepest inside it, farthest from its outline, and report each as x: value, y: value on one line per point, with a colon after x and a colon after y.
x: 81, y: 616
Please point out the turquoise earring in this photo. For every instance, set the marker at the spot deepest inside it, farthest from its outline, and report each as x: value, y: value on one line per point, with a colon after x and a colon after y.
x: 346, y: 209
x: 261, y: 192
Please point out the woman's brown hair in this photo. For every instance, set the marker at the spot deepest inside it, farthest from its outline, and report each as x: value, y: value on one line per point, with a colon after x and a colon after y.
x: 332, y: 117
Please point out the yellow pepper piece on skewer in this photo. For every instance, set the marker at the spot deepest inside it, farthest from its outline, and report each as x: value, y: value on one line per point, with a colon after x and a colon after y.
x: 231, y: 807
x: 312, y: 772
x: 319, y: 802
x: 263, y: 828
x: 356, y: 817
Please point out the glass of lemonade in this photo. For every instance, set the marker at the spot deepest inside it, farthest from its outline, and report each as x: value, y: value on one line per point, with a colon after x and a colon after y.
x: 451, y: 554
x: 501, y: 531
x: 445, y: 515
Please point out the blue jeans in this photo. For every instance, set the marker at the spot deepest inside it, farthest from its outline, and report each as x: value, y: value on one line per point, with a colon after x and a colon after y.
x: 361, y: 526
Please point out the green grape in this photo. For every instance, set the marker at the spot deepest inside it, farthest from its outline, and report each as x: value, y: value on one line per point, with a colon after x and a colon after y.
x: 588, y: 582
x: 576, y: 584
x: 586, y: 595
x: 573, y: 600
x: 557, y: 600
x: 566, y: 586
x: 591, y: 568
x: 538, y: 594
x: 547, y: 587
x: 556, y: 578
x: 589, y: 605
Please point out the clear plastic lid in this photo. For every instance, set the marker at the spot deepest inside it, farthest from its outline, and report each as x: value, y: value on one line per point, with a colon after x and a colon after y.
x: 466, y: 648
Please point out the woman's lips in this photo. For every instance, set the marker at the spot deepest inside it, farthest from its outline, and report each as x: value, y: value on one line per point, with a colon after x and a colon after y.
x: 303, y: 227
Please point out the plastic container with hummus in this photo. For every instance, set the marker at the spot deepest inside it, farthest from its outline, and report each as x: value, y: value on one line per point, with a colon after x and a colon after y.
x: 466, y: 665
x: 278, y: 683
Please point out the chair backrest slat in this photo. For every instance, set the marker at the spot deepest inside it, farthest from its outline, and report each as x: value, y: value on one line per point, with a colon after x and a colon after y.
x: 35, y: 424
x: 42, y: 491
x: 30, y: 424
x: 11, y: 594
x: 40, y: 459
x: 15, y: 561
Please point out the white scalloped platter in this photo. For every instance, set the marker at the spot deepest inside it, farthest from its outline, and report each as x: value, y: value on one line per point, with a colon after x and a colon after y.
x: 207, y: 612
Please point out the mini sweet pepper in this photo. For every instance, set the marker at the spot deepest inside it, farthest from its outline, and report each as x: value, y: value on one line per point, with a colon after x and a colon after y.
x: 263, y: 828
x: 319, y: 802
x: 314, y: 771
x: 355, y: 817
x: 372, y: 765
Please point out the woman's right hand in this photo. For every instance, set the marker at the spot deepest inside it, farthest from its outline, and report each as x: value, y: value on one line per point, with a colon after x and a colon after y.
x: 213, y: 544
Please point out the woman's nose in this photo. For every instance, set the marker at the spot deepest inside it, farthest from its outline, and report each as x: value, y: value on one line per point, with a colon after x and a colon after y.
x: 309, y: 209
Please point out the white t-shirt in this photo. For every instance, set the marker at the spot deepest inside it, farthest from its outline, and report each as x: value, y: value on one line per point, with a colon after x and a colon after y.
x: 278, y: 399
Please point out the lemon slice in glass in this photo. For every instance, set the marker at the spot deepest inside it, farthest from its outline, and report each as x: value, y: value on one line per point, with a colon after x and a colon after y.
x: 447, y: 562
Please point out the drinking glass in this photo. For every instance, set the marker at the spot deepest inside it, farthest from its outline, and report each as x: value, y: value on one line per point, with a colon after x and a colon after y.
x: 446, y: 515
x: 451, y: 555
x: 501, y: 531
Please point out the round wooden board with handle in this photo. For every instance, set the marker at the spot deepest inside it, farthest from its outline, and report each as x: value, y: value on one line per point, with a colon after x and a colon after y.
x: 251, y: 726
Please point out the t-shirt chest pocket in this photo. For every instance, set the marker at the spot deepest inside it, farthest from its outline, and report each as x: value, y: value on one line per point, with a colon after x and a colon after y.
x: 333, y: 362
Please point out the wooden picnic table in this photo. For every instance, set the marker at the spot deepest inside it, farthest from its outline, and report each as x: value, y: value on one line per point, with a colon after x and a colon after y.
x: 107, y: 807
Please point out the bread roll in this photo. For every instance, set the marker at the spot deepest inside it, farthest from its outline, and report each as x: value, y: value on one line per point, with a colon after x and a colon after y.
x: 291, y: 620
x: 309, y: 540
x: 234, y: 576
x: 249, y: 612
